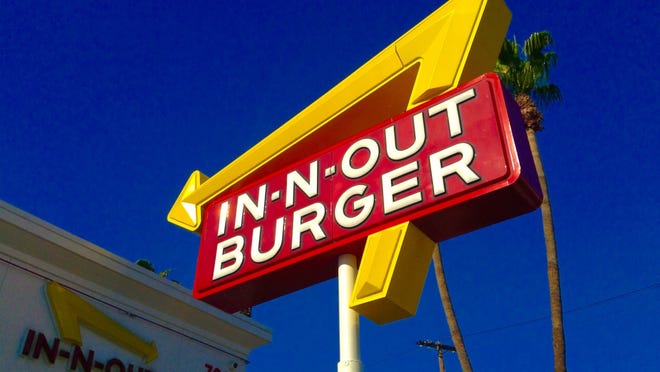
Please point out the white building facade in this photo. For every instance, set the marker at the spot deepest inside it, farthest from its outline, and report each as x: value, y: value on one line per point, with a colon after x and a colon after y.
x: 66, y: 304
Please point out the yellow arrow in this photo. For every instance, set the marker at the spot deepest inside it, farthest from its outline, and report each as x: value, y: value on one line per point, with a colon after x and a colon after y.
x: 455, y: 43
x: 69, y: 311
x: 391, y: 277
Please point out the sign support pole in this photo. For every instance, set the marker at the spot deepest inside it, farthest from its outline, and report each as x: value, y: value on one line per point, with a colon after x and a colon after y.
x: 349, y: 321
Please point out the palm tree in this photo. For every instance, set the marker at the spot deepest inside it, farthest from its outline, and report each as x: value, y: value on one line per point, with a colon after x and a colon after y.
x: 526, y: 74
x: 454, y: 330
x: 150, y: 266
x: 163, y: 274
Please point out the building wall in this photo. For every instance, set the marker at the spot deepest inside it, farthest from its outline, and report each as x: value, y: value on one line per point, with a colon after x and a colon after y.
x: 189, y: 335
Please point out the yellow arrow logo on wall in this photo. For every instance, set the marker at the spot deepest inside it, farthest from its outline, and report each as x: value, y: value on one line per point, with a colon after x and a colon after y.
x: 455, y: 43
x: 70, y: 311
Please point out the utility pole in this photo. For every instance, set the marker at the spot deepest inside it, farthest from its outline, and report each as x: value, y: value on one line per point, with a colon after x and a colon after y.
x: 439, y: 347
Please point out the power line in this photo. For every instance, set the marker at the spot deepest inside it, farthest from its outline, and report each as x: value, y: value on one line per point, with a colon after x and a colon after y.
x: 573, y: 310
x: 525, y: 322
x: 615, y: 297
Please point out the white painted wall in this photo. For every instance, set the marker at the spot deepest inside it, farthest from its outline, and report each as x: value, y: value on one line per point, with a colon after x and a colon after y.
x: 189, y: 334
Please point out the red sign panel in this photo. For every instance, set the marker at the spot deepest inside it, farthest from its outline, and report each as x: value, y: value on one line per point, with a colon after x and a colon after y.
x: 454, y: 164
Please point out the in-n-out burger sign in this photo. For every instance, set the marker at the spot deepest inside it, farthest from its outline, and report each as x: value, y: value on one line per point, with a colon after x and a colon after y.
x: 457, y: 163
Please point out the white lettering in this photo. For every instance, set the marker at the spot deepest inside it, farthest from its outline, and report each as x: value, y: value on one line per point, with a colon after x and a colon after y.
x: 368, y: 144
x: 310, y: 188
x: 234, y: 257
x: 390, y: 190
x: 256, y: 210
x: 256, y: 254
x: 420, y: 136
x: 313, y: 225
x: 460, y: 167
x: 222, y: 219
x: 364, y: 205
x: 451, y: 106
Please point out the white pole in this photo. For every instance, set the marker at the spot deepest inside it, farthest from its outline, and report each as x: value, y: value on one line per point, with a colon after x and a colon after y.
x: 349, y: 321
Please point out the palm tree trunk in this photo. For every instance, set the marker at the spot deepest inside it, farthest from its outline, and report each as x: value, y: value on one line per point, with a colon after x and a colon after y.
x: 455, y: 331
x: 558, y: 344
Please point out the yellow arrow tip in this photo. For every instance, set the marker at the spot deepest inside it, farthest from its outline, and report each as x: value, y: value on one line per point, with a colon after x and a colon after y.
x: 392, y: 272
x: 186, y: 214
x: 152, y: 353
x: 457, y: 42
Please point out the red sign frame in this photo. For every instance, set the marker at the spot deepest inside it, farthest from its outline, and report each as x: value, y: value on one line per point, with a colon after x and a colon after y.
x: 457, y: 163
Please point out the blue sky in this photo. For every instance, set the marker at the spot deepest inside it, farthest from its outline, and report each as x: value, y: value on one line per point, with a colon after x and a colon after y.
x: 106, y: 108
